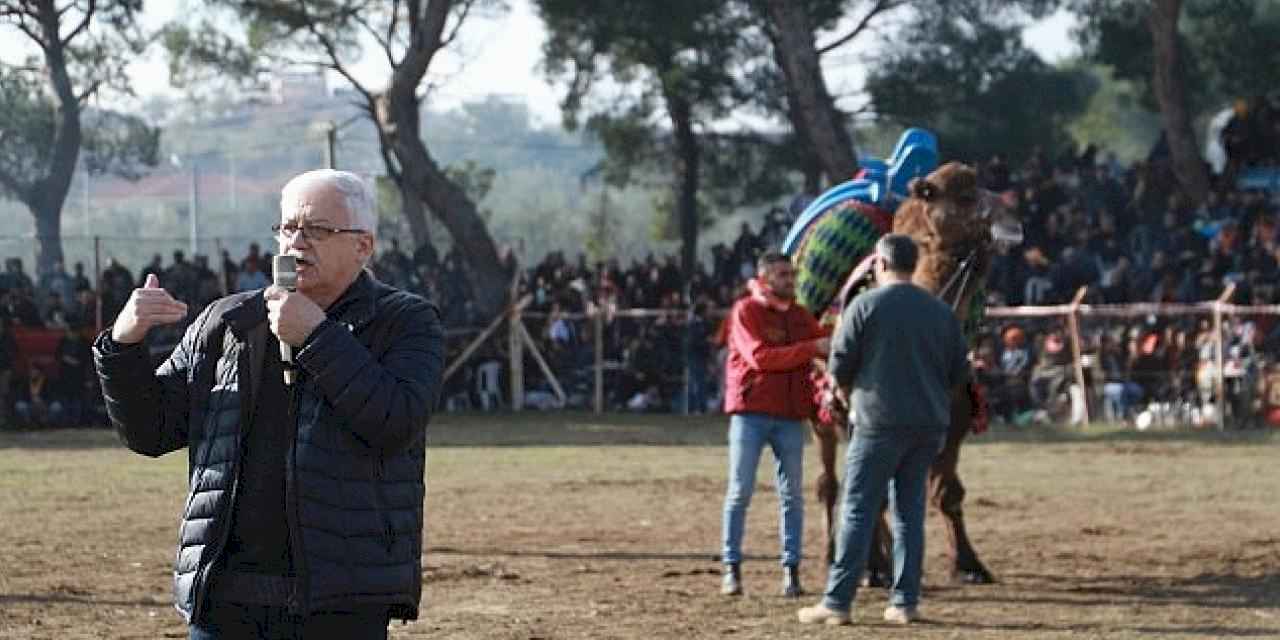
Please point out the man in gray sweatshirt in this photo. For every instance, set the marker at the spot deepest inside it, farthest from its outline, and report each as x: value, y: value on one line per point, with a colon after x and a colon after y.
x: 899, y: 354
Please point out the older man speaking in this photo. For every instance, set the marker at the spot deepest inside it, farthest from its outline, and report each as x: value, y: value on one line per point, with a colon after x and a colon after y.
x: 305, y: 511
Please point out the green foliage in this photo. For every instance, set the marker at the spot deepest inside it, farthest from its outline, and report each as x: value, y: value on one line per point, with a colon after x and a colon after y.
x: 1116, y: 118
x: 29, y: 120
x: 970, y: 79
x: 95, y: 42
x: 1227, y: 46
x: 647, y: 54
x: 119, y: 144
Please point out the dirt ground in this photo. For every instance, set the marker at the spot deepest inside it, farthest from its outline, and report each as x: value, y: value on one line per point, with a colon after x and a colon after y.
x: 571, y: 526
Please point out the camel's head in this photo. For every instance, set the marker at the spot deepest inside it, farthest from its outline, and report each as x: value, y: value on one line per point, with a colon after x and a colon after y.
x: 962, y: 214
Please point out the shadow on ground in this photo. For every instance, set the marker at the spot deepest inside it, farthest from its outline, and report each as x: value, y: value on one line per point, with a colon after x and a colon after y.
x: 572, y: 428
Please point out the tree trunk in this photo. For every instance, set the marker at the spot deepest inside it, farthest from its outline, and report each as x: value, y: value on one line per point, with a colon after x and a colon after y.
x: 415, y: 214
x: 1167, y: 82
x: 397, y: 115
x: 812, y: 109
x: 49, y: 192
x: 48, y: 219
x: 688, y: 170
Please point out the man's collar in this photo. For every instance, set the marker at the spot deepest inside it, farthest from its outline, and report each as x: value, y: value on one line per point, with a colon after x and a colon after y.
x: 355, y: 307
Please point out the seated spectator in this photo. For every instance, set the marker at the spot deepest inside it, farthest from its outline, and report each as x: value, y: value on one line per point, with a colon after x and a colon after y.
x: 83, y: 315
x: 646, y: 400
x: 1039, y: 284
x: 8, y: 358
x: 117, y: 285
x: 18, y: 308
x: 79, y: 281
x: 1116, y: 281
x: 35, y: 405
x: 1050, y: 377
x: 75, y: 362
x: 251, y: 277
x: 156, y: 267
x: 57, y: 282
x: 1120, y: 393
x: 1147, y: 366
x: 16, y: 279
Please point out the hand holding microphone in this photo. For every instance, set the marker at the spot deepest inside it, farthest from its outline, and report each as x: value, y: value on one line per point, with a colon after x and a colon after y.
x: 292, y: 316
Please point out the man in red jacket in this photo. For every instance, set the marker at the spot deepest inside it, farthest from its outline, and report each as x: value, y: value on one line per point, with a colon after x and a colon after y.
x: 772, y: 342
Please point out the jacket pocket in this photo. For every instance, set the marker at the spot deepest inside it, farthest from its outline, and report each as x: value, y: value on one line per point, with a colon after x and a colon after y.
x: 748, y: 383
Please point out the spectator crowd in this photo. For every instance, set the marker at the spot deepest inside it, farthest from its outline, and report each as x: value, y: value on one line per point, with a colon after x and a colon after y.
x: 1122, y: 231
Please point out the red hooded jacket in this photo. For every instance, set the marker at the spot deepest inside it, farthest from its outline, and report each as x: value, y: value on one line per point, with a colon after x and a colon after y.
x: 772, y: 343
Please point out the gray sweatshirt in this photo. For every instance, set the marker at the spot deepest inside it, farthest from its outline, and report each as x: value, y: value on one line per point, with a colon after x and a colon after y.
x: 899, y: 350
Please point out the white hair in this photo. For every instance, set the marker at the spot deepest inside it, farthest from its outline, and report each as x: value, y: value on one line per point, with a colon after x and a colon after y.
x: 355, y: 193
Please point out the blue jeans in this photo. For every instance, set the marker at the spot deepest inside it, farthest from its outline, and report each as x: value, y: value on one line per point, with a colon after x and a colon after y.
x: 879, y: 461
x: 748, y: 433
x: 696, y: 393
x: 235, y: 621
x: 1118, y: 397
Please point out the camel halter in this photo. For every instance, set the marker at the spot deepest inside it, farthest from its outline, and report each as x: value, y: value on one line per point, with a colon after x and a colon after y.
x: 962, y: 276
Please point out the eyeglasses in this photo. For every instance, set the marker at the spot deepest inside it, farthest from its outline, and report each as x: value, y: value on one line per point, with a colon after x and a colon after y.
x: 312, y: 232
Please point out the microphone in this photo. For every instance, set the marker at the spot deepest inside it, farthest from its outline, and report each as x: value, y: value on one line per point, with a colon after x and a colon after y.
x: 284, y: 273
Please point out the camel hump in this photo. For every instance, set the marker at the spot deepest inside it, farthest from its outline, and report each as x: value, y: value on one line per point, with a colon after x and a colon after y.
x: 832, y: 248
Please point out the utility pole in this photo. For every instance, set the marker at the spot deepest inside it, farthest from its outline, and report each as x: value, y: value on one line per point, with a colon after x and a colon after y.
x: 331, y: 130
x: 193, y: 202
x: 331, y: 143
x: 231, y: 159
x: 195, y: 207
x: 88, y: 225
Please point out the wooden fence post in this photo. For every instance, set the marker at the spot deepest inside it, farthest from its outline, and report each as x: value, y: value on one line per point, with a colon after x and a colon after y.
x: 598, y: 324
x: 1073, y: 328
x: 515, y: 346
x: 1219, y: 377
x: 97, y: 284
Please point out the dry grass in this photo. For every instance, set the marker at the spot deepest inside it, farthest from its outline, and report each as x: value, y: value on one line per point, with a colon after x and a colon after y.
x: 570, y: 526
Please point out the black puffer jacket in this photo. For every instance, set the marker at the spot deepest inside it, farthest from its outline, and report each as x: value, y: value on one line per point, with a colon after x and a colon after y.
x: 369, y: 379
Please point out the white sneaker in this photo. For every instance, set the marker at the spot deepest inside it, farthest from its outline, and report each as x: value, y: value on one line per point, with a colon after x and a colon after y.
x: 820, y: 614
x: 901, y: 615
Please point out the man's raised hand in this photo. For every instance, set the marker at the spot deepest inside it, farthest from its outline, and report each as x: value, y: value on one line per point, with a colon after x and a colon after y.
x: 148, y: 307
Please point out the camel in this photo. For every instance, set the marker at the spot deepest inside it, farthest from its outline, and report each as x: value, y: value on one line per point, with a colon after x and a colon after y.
x: 958, y: 228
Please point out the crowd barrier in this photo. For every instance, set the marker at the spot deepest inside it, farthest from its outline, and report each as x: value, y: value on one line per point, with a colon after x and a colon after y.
x: 508, y: 341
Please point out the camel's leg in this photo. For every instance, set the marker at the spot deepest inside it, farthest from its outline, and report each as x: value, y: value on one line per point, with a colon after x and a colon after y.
x: 879, y: 562
x: 946, y: 494
x: 828, y: 484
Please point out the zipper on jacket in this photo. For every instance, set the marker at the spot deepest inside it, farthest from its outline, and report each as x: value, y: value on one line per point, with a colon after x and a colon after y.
x: 298, y: 599
x: 786, y: 332
x: 202, y: 575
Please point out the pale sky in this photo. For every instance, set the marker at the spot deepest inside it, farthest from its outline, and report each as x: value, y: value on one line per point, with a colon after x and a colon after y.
x: 500, y: 56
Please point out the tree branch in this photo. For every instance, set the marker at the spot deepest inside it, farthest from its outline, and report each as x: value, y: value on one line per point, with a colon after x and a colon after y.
x: 424, y: 39
x: 880, y: 7
x: 84, y: 23
x: 92, y: 89
x: 413, y: 8
x: 331, y: 49
x: 36, y: 37
x: 392, y: 25
x: 462, y: 17
x: 377, y: 36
